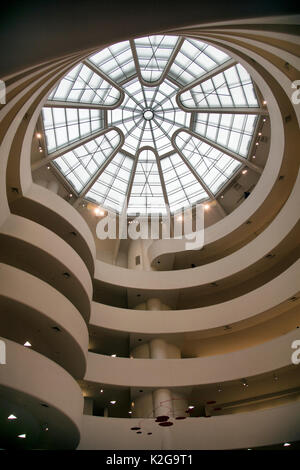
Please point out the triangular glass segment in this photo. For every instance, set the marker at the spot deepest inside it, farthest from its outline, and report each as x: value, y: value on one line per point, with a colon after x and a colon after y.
x: 232, y: 131
x: 64, y: 126
x: 146, y: 193
x: 183, y: 189
x: 213, y: 166
x: 153, y: 54
x: 111, y: 187
x: 232, y: 88
x: 115, y: 61
x: 80, y: 164
x: 82, y: 85
x: 194, y: 59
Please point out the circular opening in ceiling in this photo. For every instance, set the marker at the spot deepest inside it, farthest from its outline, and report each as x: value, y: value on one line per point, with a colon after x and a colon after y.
x: 148, y: 114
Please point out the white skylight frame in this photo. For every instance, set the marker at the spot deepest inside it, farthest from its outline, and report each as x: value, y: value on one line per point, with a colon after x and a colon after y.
x: 83, y: 85
x: 169, y: 77
x: 232, y: 88
x: 62, y: 125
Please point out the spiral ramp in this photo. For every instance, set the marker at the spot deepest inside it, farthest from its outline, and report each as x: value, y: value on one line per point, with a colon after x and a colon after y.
x: 220, y: 357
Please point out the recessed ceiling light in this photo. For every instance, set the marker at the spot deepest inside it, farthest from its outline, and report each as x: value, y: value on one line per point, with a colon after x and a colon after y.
x: 206, y: 207
x: 12, y: 417
x: 244, y: 172
x: 48, y: 167
x: 259, y: 133
x: 39, y: 135
x: 264, y: 102
x: 22, y: 436
x: 98, y: 211
x: 27, y: 344
x: 286, y: 444
x: 113, y: 402
x: 113, y: 355
x: 101, y: 391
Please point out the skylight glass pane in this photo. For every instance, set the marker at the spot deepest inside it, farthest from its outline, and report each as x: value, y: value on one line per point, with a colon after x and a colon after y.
x: 80, y: 164
x: 232, y: 131
x: 232, y: 88
x: 153, y: 55
x: 82, y: 85
x: 111, y: 187
x: 213, y: 166
x: 182, y: 187
x: 115, y: 61
x: 146, y: 193
x: 64, y: 126
x: 194, y: 59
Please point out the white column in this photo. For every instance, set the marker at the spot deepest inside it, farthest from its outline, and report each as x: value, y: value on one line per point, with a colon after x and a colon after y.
x: 41, y: 182
x: 53, y: 186
x: 88, y: 406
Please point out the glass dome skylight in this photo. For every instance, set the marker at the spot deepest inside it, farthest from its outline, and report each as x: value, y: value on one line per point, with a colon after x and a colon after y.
x: 156, y: 122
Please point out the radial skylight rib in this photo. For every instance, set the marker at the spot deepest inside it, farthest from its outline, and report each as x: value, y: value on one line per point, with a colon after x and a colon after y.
x: 146, y: 192
x: 111, y: 187
x: 82, y: 85
x: 232, y: 88
x: 81, y: 164
x: 153, y: 54
x: 213, y: 166
x: 182, y: 188
x: 194, y: 59
x: 66, y: 125
x: 233, y: 131
x: 116, y: 61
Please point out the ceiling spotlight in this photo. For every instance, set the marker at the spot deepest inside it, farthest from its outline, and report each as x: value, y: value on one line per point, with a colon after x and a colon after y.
x: 275, y: 376
x: 70, y: 195
x: 27, y: 344
x: 12, y: 417
x: 264, y: 120
x: 220, y: 389
x: 113, y: 402
x: 101, y: 391
x: 222, y: 197
x: 191, y: 407
x: 39, y: 135
x: 22, y: 436
x: 257, y: 143
x: 206, y: 207
x: 253, y: 156
x: 98, y: 211
x: 48, y: 167
x: 244, y: 172
x: 259, y: 133
x: 286, y: 444
x: 113, y: 355
x: 245, y: 383
x: 130, y: 412
x: 264, y: 102
x: 40, y: 149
